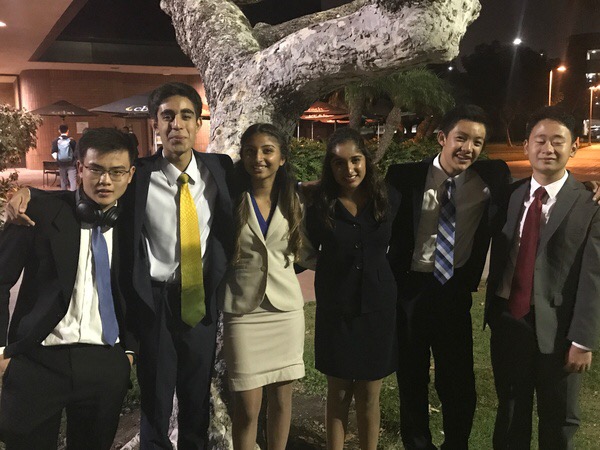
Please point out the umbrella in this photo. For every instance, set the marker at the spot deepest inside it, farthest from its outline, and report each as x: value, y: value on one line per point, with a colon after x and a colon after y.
x: 63, y: 109
x: 134, y: 106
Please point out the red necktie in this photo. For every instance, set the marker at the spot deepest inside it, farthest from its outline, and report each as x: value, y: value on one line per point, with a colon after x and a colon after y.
x: 519, y: 300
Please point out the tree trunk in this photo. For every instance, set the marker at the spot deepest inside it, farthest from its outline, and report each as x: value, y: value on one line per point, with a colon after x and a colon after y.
x: 393, y: 121
x: 422, y: 129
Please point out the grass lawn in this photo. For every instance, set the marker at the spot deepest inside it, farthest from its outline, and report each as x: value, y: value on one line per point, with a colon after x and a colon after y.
x: 588, y: 437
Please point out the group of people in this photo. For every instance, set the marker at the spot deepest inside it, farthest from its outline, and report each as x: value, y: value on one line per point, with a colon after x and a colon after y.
x: 117, y: 274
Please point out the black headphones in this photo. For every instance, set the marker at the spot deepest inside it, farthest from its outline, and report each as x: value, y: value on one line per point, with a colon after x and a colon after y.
x: 89, y: 211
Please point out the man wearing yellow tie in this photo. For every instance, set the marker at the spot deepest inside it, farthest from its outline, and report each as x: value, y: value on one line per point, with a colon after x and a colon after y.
x: 181, y: 228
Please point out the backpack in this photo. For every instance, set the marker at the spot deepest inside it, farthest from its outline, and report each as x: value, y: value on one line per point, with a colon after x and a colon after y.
x: 65, y: 152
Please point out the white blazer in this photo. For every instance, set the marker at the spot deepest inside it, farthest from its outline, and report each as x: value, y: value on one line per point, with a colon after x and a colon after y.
x: 262, y: 269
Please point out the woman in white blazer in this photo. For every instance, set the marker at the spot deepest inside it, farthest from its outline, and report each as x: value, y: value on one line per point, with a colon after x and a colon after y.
x: 261, y: 300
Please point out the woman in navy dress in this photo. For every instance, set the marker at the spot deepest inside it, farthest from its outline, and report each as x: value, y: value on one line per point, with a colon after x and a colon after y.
x: 349, y: 227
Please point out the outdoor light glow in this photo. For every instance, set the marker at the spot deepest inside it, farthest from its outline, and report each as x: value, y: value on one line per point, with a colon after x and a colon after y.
x: 561, y: 68
x: 517, y: 41
x: 2, y: 24
x: 450, y: 68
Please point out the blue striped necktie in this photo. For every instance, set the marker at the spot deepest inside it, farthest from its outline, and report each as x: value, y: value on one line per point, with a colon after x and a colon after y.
x: 443, y: 268
x: 106, y: 306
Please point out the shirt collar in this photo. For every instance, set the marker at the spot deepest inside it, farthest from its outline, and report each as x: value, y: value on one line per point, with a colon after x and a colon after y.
x: 172, y: 173
x: 440, y: 176
x: 552, y: 189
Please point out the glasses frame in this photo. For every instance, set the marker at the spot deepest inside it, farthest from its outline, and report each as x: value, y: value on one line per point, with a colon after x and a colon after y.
x: 113, y: 174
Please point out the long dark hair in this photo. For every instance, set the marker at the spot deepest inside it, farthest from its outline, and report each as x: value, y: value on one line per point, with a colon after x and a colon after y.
x: 327, y: 194
x: 284, y: 183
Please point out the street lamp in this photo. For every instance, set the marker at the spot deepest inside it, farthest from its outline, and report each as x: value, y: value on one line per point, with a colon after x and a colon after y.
x: 592, y: 89
x: 517, y: 41
x: 560, y: 68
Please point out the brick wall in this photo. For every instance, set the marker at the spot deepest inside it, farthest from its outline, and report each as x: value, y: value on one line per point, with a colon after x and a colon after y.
x: 88, y: 90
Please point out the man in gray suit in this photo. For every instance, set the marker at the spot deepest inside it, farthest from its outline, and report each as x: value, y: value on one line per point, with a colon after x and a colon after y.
x: 542, y: 299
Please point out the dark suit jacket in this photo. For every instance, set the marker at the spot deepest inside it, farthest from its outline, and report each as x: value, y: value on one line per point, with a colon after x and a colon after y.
x: 49, y: 253
x: 567, y: 268
x: 220, y: 243
x: 409, y: 179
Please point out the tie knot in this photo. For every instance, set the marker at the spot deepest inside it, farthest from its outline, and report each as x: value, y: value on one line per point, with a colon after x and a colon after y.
x: 539, y: 193
x: 184, y: 178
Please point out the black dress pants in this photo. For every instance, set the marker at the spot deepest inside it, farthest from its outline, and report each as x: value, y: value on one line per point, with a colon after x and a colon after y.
x: 519, y: 371
x: 88, y: 381
x: 174, y: 358
x: 435, y: 319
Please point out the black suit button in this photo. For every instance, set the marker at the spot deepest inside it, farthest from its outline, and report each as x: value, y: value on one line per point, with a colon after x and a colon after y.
x: 355, y: 225
x: 358, y: 267
x: 358, y: 245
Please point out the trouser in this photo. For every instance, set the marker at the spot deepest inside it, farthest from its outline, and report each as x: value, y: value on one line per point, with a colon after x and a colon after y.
x: 68, y: 176
x: 88, y: 381
x: 519, y: 371
x: 174, y: 358
x: 435, y: 318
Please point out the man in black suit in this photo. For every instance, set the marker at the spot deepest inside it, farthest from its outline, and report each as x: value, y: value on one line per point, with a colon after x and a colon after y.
x: 66, y: 344
x: 176, y: 354
x: 542, y: 298
x: 437, y: 264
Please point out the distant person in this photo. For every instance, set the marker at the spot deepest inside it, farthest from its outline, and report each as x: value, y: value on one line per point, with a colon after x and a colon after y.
x: 63, y: 150
x: 350, y: 221
x: 133, y: 139
x: 65, y: 348
x: 450, y: 205
x: 542, y: 300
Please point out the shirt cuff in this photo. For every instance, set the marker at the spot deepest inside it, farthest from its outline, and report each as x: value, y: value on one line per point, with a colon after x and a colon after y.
x: 581, y: 347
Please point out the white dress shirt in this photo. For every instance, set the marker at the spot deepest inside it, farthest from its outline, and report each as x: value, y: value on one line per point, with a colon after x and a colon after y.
x: 471, y: 196
x: 82, y: 323
x: 162, y: 216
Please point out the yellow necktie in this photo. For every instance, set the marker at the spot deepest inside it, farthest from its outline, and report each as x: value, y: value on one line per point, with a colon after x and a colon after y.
x: 192, y: 283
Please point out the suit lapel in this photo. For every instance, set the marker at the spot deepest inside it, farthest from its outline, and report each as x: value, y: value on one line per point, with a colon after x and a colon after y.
x: 64, y: 239
x: 253, y: 220
x: 277, y: 220
x: 564, y: 202
x: 144, y: 169
x: 418, y: 189
x: 515, y: 207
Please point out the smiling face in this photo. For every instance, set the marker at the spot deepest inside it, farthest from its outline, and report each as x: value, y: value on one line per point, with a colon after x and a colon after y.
x: 177, y: 126
x: 349, y: 166
x: 262, y: 158
x: 98, y: 184
x: 461, y: 146
x: 549, y: 147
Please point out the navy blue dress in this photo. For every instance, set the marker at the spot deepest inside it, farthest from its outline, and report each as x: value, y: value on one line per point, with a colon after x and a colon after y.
x: 355, y: 330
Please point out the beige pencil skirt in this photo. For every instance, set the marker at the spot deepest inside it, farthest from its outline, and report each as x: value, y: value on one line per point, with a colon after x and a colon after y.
x: 263, y: 347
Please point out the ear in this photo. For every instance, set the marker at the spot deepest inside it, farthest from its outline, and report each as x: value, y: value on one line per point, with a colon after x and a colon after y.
x: 574, y: 147
x: 80, y: 169
x: 282, y: 162
x: 130, y: 176
x: 154, y: 124
x: 525, y: 146
x: 441, y: 138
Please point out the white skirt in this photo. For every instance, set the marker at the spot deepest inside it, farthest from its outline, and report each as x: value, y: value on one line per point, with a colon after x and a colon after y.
x: 263, y: 347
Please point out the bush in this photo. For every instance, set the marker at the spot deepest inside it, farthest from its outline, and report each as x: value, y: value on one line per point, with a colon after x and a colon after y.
x: 306, y: 157
x: 18, y: 130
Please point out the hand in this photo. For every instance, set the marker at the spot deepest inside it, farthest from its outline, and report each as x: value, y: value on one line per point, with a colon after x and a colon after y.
x: 593, y: 186
x: 3, y: 364
x: 16, y: 207
x: 130, y: 357
x: 578, y: 360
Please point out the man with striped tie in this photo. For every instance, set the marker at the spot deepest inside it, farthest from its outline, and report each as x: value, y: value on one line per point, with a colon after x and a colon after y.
x: 450, y: 205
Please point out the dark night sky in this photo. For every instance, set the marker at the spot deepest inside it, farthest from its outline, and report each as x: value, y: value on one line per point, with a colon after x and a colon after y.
x: 542, y: 24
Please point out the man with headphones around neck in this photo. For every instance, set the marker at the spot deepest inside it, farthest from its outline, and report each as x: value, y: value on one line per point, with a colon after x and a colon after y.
x: 69, y: 334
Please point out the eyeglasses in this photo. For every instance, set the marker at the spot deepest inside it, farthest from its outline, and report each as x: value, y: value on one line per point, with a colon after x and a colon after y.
x: 114, y: 174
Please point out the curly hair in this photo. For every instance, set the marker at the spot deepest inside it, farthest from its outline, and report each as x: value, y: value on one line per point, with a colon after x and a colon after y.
x: 284, y: 183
